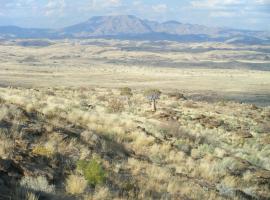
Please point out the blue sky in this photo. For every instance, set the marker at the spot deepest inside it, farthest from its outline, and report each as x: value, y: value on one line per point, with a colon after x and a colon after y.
x: 244, y: 14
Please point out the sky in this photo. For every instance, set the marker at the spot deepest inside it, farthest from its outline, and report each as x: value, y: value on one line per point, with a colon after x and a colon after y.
x: 241, y: 14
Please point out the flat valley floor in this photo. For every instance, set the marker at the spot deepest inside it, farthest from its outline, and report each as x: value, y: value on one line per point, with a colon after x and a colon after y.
x: 69, y: 131
x: 202, y: 70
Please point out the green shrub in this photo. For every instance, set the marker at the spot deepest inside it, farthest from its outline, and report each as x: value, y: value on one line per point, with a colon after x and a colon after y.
x: 126, y: 91
x: 93, y: 171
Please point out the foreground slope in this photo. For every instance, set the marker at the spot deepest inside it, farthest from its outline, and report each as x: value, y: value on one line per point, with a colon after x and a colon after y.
x: 186, y: 150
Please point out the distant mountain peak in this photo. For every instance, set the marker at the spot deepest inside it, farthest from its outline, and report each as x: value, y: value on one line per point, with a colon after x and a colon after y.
x: 172, y: 22
x: 132, y: 27
x: 110, y: 17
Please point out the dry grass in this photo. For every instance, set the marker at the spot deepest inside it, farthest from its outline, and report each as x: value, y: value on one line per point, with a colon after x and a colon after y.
x: 194, y: 148
x: 115, y: 105
x: 188, y: 149
x: 75, y: 184
x: 85, y: 66
x: 6, y: 146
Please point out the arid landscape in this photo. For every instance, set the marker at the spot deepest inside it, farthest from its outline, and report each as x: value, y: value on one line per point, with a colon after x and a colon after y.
x: 134, y: 100
x: 77, y: 120
x: 213, y: 70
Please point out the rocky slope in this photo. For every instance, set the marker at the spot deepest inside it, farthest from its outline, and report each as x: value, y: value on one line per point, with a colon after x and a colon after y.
x: 185, y: 150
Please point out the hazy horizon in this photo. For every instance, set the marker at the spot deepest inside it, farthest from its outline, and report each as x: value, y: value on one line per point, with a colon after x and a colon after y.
x: 240, y: 14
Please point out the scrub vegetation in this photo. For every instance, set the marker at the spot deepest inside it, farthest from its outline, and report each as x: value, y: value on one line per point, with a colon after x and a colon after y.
x: 74, y: 143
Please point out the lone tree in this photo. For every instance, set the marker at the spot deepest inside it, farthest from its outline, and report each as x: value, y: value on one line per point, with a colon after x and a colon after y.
x: 153, y: 95
x: 126, y: 92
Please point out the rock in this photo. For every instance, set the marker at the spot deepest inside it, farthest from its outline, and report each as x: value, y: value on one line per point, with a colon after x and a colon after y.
x: 177, y: 96
x: 210, y: 122
x: 265, y: 140
x: 2, y: 183
x: 254, y: 107
x: 198, y: 117
x: 237, y: 166
x: 167, y: 115
x: 262, y: 176
x: 244, y: 134
x: 12, y: 169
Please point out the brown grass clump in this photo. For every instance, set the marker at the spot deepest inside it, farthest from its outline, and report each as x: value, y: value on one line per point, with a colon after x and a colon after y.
x: 6, y: 147
x: 176, y: 95
x: 101, y: 98
x: 31, y: 196
x: 2, y: 101
x: 190, y: 104
x: 75, y: 184
x: 115, y: 106
x: 101, y: 193
x: 176, y: 153
x: 170, y: 129
x: 42, y: 150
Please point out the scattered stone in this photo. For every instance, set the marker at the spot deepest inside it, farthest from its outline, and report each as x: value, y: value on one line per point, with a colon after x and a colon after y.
x: 244, y: 134
x: 177, y: 96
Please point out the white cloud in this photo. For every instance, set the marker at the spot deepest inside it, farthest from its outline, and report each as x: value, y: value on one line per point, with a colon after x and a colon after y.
x: 222, y: 14
x: 215, y: 3
x: 115, y: 1
x: 100, y: 4
x: 263, y: 2
x: 232, y: 8
x: 160, y: 8
x: 137, y: 3
x: 55, y: 7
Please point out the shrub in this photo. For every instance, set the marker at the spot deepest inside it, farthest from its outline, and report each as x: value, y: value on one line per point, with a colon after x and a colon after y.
x: 31, y: 196
x: 6, y: 146
x: 190, y: 104
x: 115, y: 106
x: 176, y: 95
x: 101, y: 193
x: 43, y: 151
x: 126, y: 91
x: 152, y: 95
x: 75, y: 184
x: 39, y: 184
x: 101, y: 98
x: 2, y: 101
x: 20, y: 193
x: 92, y: 171
x: 170, y: 129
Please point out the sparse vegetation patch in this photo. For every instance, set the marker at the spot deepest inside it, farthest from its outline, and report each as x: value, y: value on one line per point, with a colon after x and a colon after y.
x: 70, y: 143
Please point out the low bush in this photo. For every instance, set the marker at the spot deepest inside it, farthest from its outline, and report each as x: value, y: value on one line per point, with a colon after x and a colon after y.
x: 115, y: 106
x: 2, y: 101
x: 38, y: 184
x: 176, y: 95
x: 93, y: 171
x: 43, y: 151
x: 75, y: 184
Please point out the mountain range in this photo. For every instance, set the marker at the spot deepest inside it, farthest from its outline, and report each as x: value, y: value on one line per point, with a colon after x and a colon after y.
x: 131, y: 27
